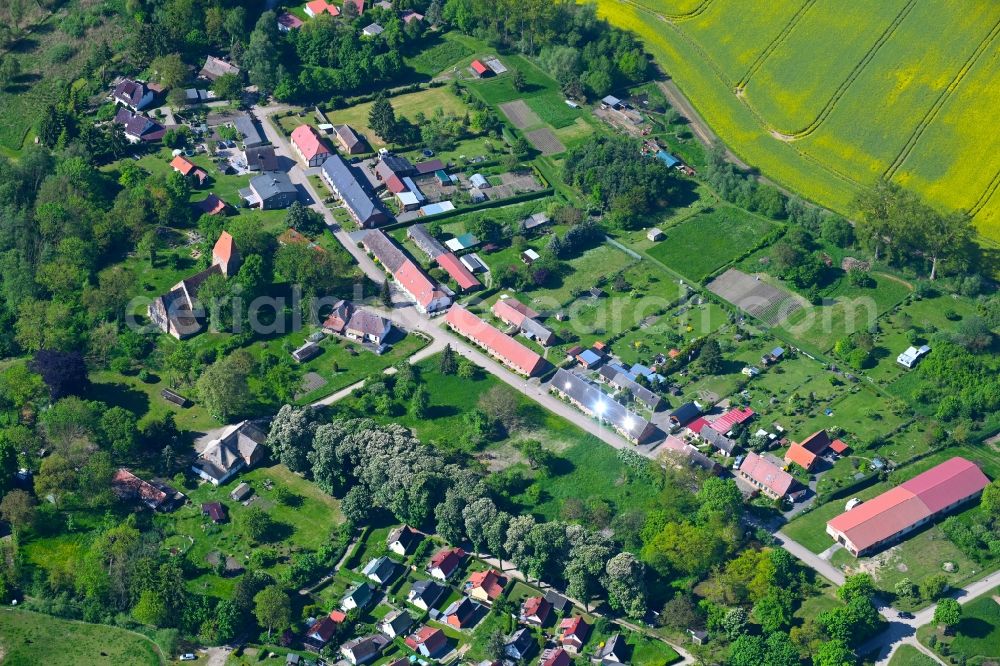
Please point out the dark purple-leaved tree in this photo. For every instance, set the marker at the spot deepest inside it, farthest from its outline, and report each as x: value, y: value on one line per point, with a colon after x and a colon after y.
x: 65, y: 373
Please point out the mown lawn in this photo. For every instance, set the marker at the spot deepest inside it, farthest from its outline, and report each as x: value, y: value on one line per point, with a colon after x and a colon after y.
x: 907, y: 655
x: 978, y: 632
x: 710, y: 240
x: 29, y: 639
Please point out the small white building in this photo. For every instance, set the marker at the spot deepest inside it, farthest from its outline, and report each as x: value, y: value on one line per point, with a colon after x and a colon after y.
x: 912, y: 356
x: 655, y: 234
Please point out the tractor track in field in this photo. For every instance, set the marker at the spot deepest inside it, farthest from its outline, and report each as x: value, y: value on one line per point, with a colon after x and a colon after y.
x: 935, y: 109
x: 987, y: 194
x: 687, y: 16
x: 775, y: 43
x: 842, y: 89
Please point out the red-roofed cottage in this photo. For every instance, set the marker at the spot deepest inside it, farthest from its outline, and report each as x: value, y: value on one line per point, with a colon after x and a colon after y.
x: 732, y: 418
x: 535, y: 610
x: 573, y: 632
x: 505, y: 349
x: 419, y: 287
x: 910, y: 505
x: 308, y: 145
x: 801, y: 456
x: 445, y: 562
x: 766, y: 476
x: 485, y: 586
x: 317, y: 7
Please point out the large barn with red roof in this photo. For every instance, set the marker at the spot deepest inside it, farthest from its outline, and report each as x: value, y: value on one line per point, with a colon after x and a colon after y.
x: 908, y: 506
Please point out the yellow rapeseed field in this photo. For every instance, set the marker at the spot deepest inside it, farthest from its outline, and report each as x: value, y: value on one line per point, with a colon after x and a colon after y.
x: 825, y: 96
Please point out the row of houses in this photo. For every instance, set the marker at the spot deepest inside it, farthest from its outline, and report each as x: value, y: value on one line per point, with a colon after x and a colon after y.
x: 408, y: 276
x: 343, y: 180
x: 495, y: 342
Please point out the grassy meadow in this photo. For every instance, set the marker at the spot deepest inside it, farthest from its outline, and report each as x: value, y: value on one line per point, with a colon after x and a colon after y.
x: 28, y: 638
x: 710, y: 240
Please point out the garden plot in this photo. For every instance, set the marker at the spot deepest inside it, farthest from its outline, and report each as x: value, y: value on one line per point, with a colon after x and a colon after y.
x: 520, y: 114
x: 761, y: 300
x: 545, y: 141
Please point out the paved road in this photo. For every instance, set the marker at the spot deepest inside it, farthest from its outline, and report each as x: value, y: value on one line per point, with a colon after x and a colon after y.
x: 900, y: 631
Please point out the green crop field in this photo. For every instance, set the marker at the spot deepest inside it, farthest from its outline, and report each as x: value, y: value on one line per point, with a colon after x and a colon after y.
x: 31, y: 638
x: 825, y: 98
x: 552, y: 108
x: 710, y: 240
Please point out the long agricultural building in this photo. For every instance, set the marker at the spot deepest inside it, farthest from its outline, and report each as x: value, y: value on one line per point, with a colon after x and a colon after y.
x: 592, y: 401
x: 910, y: 505
x: 502, y: 347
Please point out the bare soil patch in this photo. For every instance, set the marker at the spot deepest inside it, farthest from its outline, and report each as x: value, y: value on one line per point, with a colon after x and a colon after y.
x: 545, y: 141
x: 520, y: 114
x: 756, y: 297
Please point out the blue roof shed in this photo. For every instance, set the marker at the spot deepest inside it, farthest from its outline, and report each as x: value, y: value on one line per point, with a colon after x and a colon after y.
x: 667, y: 158
x: 590, y: 357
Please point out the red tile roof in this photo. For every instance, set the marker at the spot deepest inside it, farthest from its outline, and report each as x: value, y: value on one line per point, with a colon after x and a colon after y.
x: 417, y: 283
x: 696, y: 425
x: 395, y: 184
x: 838, y: 446
x: 557, y: 657
x: 801, y: 456
x: 733, y: 417
x: 447, y: 559
x: 536, y: 607
x: 431, y: 638
x: 308, y: 142
x: 882, y: 517
x: 513, y: 311
x: 223, y: 250
x: 509, y: 350
x: 211, y: 205
x: 767, y: 474
x: 182, y: 164
x: 574, y: 628
x: 291, y: 21
x: 324, y: 628
x: 125, y: 482
x: 457, y: 270
x: 317, y: 7
x: 490, y: 581
x: 429, y: 166
x: 479, y: 68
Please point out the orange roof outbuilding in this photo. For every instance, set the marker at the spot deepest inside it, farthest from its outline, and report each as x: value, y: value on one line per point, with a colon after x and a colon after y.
x: 801, y: 456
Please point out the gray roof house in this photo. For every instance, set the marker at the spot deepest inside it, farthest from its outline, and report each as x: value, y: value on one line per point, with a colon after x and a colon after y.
x: 271, y: 190
x: 359, y: 597
x: 640, y: 393
x: 261, y: 158
x: 423, y: 239
x: 349, y: 141
x: 684, y: 414
x: 380, y: 570
x: 237, y: 449
x: 344, y: 182
x: 615, y: 651
x: 133, y: 94
x: 401, y: 539
x: 364, y: 649
x: 216, y: 67
x: 246, y: 126
x: 592, y: 401
x: 425, y: 593
x: 520, y: 645
x: 382, y: 248
x: 718, y: 440
x: 395, y: 623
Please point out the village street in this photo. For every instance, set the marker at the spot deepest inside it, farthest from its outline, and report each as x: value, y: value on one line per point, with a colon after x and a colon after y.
x: 406, y: 316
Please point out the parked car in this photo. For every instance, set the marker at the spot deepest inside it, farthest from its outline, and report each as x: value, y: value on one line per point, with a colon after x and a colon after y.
x: 187, y: 656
